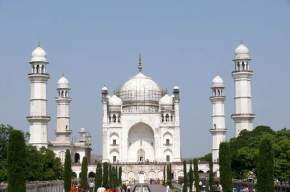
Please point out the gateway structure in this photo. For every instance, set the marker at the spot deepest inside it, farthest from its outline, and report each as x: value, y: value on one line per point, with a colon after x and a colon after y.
x: 141, y: 122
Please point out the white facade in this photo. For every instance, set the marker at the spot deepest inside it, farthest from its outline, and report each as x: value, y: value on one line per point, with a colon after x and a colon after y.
x: 218, y: 129
x: 141, y: 122
x: 242, y: 74
x: 38, y: 117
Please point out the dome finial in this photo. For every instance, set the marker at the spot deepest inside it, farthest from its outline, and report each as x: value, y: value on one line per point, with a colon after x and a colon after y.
x: 38, y: 44
x: 140, y: 64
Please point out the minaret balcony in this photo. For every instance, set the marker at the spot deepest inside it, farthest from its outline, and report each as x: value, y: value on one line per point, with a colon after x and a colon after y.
x: 38, y: 76
x: 38, y: 118
x: 243, y: 116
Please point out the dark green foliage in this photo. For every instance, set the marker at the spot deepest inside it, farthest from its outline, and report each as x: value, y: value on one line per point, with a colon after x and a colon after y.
x: 206, y: 157
x: 245, y: 150
x: 190, y: 177
x: 164, y: 175
x: 16, y: 154
x: 225, y: 167
x: 169, y: 175
x: 114, y: 179
x: 196, y: 175
x: 110, y: 177
x: 39, y: 165
x: 67, y: 171
x: 84, y: 174
x: 42, y: 165
x: 184, y: 188
x: 106, y: 175
x: 120, y: 175
x: 211, y: 177
x: 4, y: 137
x: 52, y: 168
x: 99, y: 175
x: 265, y: 167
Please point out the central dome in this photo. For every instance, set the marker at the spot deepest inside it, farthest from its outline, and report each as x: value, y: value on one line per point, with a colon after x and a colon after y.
x: 140, y: 94
x: 140, y: 82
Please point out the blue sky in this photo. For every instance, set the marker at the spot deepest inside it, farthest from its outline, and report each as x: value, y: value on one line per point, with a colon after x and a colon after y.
x: 183, y: 43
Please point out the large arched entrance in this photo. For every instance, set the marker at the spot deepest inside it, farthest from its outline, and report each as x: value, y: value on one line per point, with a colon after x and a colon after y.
x: 141, y: 143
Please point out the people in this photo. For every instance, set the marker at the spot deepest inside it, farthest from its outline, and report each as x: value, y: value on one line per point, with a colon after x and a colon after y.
x: 101, y: 189
x: 167, y: 188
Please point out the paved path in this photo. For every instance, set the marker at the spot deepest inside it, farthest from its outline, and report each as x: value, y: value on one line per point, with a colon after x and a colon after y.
x: 157, y: 188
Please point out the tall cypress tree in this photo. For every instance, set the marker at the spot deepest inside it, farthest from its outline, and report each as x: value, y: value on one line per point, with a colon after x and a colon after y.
x: 120, y: 175
x: 225, y: 167
x: 265, y: 167
x: 106, y: 175
x: 164, y: 175
x: 211, y: 177
x: 16, y: 163
x: 190, y: 177
x: 169, y: 173
x: 196, y: 175
x: 110, y: 179
x: 184, y: 188
x: 67, y: 171
x: 98, y: 176
x: 84, y: 174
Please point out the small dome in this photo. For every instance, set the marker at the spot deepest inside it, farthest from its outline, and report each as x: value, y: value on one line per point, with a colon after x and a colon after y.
x: 166, y: 100
x: 104, y: 88
x: 38, y: 55
x: 82, y: 130
x: 176, y: 87
x: 115, y: 100
x: 63, y: 82
x: 242, y: 52
x: 217, y: 81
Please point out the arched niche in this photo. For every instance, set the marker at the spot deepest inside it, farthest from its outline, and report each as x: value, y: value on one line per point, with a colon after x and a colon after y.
x: 141, y: 138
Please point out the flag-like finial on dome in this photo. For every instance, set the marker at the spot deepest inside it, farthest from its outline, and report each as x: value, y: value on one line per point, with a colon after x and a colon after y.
x: 140, y: 64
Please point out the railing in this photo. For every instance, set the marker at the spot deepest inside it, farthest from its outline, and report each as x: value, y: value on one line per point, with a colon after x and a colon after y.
x: 39, y: 186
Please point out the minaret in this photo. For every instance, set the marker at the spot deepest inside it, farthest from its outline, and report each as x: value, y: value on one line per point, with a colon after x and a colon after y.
x: 218, y: 129
x: 243, y: 116
x: 63, y: 100
x: 38, y: 117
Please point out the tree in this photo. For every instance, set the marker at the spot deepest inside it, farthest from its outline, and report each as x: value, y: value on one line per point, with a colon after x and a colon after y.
x: 184, y: 188
x: 84, y: 174
x: 52, y: 167
x: 106, y: 175
x: 114, y: 177
x: 265, y: 167
x: 120, y: 175
x: 164, y: 175
x: 98, y: 176
x: 211, y: 177
x: 4, y: 137
x: 169, y: 175
x: 190, y: 177
x: 225, y: 167
x: 196, y: 175
x: 67, y: 171
x: 16, y: 154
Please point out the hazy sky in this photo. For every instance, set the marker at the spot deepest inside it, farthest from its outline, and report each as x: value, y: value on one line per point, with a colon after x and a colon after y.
x: 183, y: 43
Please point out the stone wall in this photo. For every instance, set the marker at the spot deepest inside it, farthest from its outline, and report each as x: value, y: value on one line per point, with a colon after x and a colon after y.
x: 39, y: 186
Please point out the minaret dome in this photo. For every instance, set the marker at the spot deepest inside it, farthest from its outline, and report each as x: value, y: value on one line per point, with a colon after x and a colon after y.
x: 63, y: 83
x: 242, y: 52
x: 217, y: 81
x: 38, y: 55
